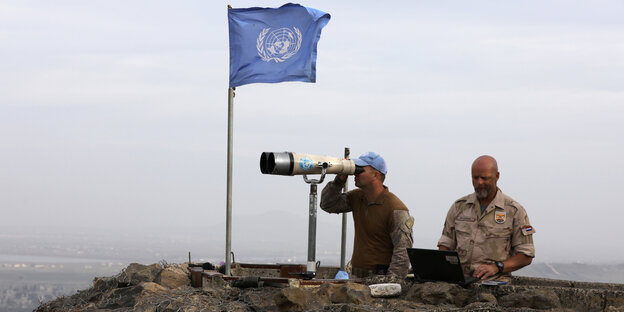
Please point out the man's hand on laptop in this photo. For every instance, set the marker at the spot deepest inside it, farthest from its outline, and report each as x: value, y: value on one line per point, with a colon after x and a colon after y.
x: 485, y: 270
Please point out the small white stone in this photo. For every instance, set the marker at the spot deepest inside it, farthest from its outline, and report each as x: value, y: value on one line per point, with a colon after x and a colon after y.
x: 385, y: 290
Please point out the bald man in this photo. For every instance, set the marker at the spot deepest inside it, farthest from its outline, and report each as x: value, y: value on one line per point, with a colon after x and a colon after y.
x: 490, y: 231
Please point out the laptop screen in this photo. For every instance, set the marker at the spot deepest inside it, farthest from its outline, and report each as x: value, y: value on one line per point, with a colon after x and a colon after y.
x: 436, y: 265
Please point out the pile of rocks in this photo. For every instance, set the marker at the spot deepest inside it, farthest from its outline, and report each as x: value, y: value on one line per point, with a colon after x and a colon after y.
x: 157, y: 287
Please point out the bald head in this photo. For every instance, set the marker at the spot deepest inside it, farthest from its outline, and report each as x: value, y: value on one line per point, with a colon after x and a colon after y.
x: 484, y: 177
x: 485, y: 162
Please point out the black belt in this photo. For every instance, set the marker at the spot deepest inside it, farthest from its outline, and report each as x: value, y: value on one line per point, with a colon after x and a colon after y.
x: 380, y: 269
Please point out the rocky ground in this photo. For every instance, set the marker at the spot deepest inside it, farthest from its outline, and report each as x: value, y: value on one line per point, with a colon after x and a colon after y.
x: 164, y: 287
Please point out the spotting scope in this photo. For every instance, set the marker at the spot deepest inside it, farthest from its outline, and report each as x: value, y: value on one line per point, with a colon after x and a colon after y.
x: 287, y: 163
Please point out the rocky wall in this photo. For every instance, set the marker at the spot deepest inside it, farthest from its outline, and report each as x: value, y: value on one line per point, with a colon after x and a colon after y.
x: 153, y: 288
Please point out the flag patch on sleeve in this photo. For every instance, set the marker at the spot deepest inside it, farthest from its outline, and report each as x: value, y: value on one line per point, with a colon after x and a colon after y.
x: 528, y: 230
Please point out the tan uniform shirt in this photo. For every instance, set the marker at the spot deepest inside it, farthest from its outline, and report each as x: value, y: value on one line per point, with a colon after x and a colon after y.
x: 383, y: 228
x: 502, y: 231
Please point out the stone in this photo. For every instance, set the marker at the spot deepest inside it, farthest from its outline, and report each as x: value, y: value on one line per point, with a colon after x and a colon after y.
x: 439, y: 294
x: 351, y: 293
x: 615, y: 300
x: 292, y: 299
x: 150, y: 287
x: 125, y: 297
x: 486, y: 297
x: 385, y: 290
x: 316, y: 298
x: 531, y: 298
x: 257, y: 299
x: 482, y: 306
x: 100, y: 286
x: 137, y: 273
x: 173, y: 277
x: 104, y: 283
x: 352, y: 308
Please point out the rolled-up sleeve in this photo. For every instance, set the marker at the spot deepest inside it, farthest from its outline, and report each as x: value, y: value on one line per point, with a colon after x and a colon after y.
x: 522, y: 237
x: 333, y: 200
x: 448, y: 232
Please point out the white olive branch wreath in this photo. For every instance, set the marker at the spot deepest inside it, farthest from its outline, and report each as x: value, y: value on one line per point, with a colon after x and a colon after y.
x: 262, y: 53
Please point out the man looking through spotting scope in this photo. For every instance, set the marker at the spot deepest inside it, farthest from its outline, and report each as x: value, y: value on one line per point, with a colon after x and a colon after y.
x: 383, y: 225
x: 490, y: 231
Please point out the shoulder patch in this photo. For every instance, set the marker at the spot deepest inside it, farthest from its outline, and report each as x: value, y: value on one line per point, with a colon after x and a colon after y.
x: 410, y: 222
x: 528, y: 230
x: 406, y: 226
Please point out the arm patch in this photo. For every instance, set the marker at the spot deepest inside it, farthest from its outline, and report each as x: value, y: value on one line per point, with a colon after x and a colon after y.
x: 528, y: 230
x: 527, y: 234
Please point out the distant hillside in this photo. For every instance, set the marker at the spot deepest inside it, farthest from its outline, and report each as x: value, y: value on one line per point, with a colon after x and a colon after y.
x: 606, y: 273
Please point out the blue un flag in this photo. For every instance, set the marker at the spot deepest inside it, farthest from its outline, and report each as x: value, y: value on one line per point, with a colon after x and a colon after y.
x: 274, y: 44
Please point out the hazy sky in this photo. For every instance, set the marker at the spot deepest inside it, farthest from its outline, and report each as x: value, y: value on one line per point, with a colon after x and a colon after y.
x: 115, y: 113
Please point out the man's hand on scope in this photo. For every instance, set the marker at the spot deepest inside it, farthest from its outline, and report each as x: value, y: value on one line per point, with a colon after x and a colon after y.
x: 341, y: 178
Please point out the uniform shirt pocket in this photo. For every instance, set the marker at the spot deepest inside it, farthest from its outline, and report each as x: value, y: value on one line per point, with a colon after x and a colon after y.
x: 464, y: 238
x: 497, y: 243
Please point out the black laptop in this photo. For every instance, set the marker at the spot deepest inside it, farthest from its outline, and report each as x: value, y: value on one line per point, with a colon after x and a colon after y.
x: 432, y: 265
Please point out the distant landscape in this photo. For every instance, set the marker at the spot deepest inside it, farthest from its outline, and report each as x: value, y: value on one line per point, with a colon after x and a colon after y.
x: 24, y: 286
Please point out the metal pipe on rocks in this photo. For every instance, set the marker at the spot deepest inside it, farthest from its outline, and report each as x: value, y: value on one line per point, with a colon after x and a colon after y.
x: 343, y: 237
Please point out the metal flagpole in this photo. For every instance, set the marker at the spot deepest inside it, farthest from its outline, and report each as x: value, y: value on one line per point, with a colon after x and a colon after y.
x: 228, y: 223
x: 343, y: 242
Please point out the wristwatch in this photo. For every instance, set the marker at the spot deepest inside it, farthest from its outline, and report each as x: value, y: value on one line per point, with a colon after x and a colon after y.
x: 500, y: 265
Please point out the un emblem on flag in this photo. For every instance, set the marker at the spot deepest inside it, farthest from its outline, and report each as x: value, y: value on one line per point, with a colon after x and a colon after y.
x: 278, y: 45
